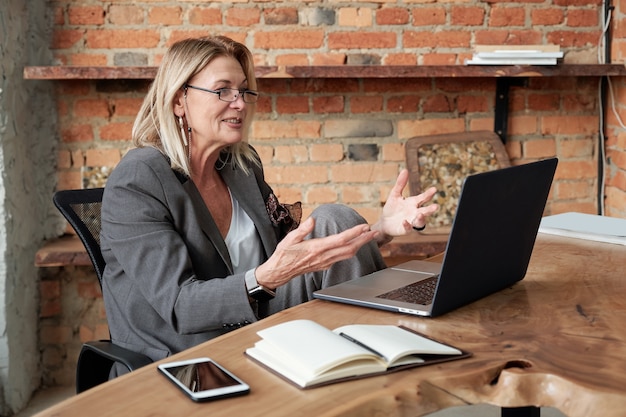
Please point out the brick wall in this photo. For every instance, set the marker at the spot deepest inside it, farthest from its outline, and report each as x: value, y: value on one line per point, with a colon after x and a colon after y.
x: 95, y: 32
x: 71, y: 312
x: 318, y: 137
x: 334, y: 140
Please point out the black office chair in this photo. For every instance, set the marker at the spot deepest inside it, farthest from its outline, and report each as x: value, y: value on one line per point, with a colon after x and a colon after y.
x: 81, y: 208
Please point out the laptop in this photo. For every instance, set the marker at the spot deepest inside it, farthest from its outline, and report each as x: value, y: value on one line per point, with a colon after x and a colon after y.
x: 489, y: 247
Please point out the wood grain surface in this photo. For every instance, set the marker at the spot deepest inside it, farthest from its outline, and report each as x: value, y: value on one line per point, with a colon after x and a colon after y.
x: 557, y: 338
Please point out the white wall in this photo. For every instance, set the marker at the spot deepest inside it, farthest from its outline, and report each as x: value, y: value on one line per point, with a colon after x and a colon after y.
x: 27, y: 178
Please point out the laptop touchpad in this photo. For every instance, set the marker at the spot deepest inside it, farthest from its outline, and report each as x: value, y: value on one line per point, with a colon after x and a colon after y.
x: 390, y: 278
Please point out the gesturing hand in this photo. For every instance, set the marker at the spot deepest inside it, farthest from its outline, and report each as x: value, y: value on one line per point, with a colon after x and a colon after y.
x: 295, y: 256
x: 401, y: 214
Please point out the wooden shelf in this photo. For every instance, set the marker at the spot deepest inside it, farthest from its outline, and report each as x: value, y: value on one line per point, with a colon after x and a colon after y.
x: 343, y: 71
x: 65, y: 250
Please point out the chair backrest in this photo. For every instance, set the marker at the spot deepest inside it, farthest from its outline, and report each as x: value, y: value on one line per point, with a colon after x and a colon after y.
x: 444, y: 161
x: 81, y: 208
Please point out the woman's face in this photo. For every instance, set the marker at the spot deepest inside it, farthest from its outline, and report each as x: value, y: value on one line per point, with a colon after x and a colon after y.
x: 215, y: 123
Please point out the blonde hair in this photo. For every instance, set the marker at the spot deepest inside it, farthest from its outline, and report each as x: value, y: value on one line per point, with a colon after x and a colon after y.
x: 156, y: 124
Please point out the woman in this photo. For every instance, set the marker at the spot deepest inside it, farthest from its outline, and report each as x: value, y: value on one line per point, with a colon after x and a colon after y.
x: 195, y: 242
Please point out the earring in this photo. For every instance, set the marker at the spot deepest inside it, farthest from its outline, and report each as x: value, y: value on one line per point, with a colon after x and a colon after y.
x: 182, y: 130
x: 188, y: 143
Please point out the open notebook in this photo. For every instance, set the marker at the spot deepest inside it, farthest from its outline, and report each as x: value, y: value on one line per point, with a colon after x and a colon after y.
x: 489, y: 248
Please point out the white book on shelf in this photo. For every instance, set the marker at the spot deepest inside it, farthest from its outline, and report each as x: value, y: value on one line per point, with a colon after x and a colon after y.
x: 541, y: 48
x: 511, y: 61
x: 517, y: 54
x: 585, y: 226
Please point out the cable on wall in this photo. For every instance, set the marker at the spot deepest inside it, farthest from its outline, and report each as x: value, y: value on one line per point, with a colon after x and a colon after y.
x: 604, y: 84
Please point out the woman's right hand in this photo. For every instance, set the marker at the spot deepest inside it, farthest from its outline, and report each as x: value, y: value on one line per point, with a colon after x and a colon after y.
x: 296, y: 255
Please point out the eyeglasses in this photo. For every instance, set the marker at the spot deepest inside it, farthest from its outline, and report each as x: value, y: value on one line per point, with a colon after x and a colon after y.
x: 230, y: 94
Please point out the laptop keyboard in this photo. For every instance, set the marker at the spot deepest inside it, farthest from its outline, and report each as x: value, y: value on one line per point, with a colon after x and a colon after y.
x: 421, y: 292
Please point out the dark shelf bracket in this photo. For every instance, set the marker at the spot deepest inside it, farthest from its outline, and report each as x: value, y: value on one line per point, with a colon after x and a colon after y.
x: 501, y: 116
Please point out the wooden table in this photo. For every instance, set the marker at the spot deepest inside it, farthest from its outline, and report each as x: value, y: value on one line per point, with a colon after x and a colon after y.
x: 557, y: 339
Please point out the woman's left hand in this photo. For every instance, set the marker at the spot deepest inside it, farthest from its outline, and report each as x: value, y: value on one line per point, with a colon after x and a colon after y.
x: 400, y: 214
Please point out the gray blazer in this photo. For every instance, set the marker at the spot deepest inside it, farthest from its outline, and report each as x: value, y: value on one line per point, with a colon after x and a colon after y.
x: 168, y: 283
